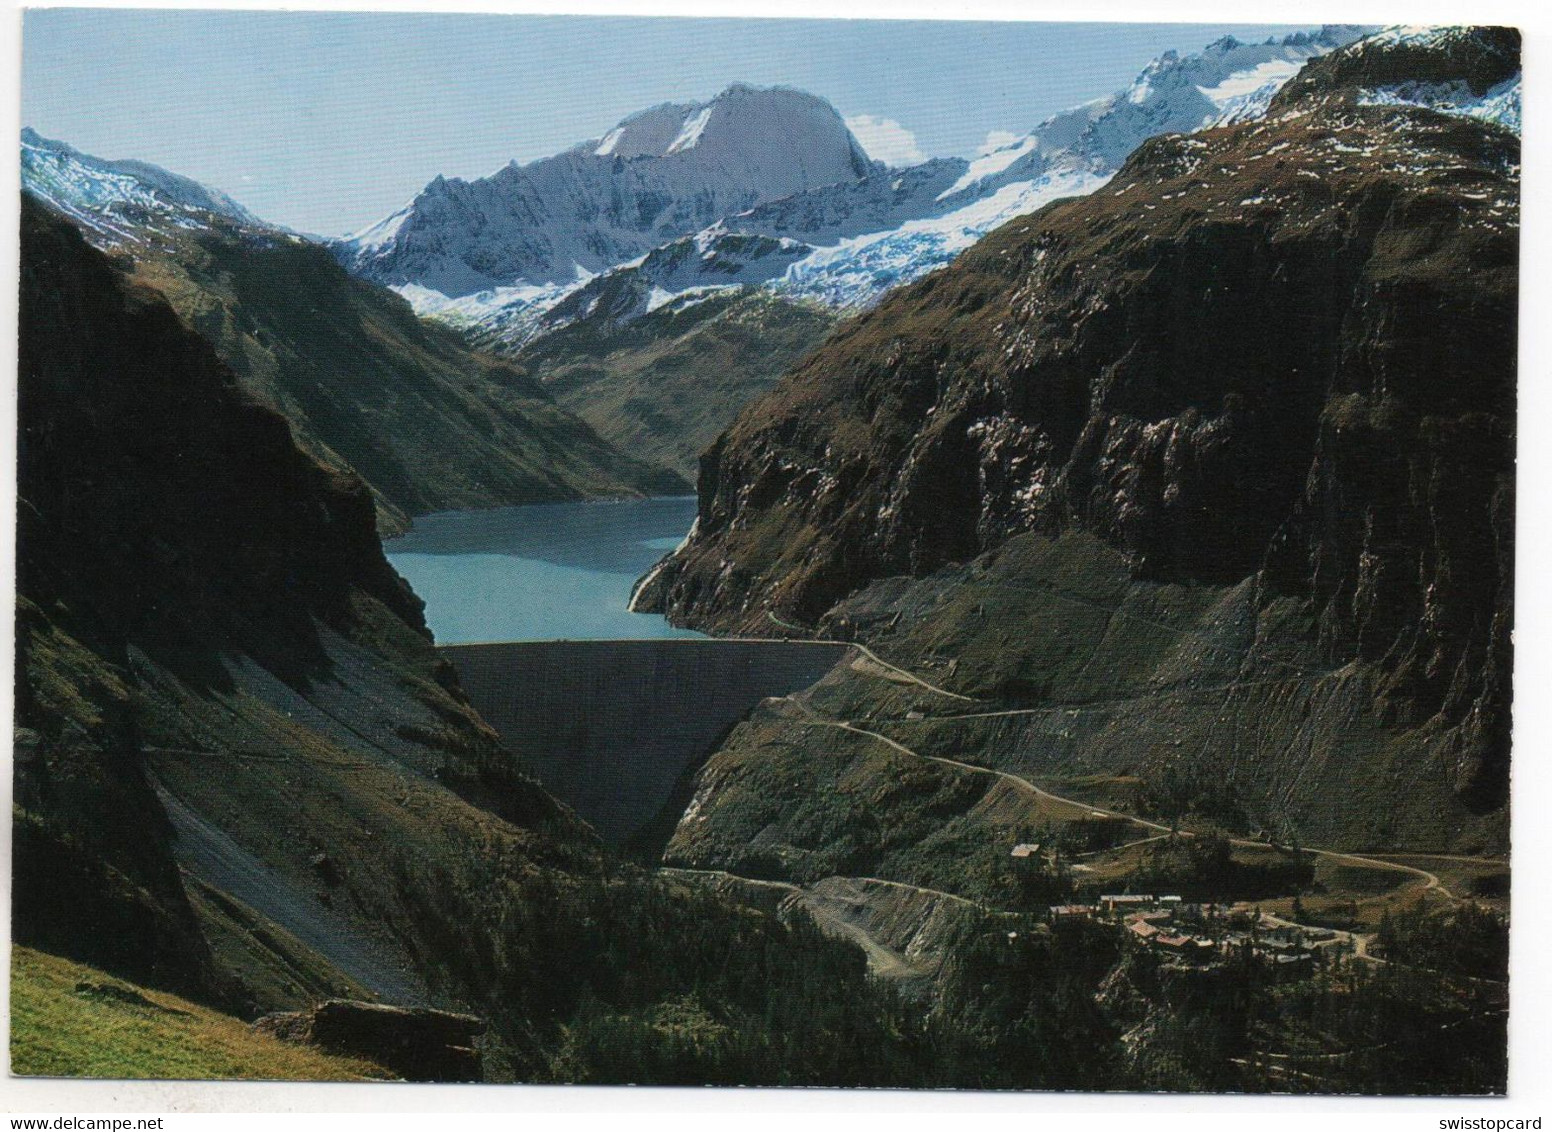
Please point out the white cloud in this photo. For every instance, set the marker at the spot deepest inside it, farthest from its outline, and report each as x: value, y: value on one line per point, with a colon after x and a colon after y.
x: 996, y: 139
x: 886, y: 140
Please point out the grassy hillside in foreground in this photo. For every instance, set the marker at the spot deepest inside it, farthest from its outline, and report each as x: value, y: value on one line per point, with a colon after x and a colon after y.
x: 71, y: 1020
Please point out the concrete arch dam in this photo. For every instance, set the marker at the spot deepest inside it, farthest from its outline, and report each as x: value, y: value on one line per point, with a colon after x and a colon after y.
x: 612, y: 728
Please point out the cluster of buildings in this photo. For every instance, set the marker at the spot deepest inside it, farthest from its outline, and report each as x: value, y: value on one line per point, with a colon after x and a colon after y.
x: 1162, y: 937
x: 1290, y: 948
x: 1203, y: 934
x: 1120, y: 906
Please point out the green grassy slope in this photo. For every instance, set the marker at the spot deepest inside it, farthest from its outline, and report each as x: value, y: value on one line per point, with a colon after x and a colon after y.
x: 72, y: 1020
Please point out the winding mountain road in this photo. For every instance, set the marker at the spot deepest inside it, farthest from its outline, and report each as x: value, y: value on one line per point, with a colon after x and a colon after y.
x: 887, y: 963
x: 883, y: 961
x: 902, y: 675
x: 1429, y: 881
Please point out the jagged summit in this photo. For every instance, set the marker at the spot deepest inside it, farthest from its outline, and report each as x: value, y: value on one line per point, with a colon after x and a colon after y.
x: 1471, y: 72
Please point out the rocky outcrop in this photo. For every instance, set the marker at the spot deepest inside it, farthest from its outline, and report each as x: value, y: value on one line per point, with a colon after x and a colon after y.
x: 1282, y: 351
x: 1479, y: 57
x: 417, y: 1044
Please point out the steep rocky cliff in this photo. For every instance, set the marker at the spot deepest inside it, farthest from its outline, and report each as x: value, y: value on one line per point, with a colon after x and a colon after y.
x: 1277, y: 355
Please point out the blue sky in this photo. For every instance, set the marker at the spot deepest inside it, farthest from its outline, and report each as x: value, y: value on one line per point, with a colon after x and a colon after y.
x: 327, y: 121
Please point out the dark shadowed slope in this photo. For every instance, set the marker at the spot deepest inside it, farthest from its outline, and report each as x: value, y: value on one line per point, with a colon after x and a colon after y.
x: 193, y: 590
x: 429, y: 423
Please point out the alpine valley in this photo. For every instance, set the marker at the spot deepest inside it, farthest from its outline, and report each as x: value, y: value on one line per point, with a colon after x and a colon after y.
x: 1110, y: 536
x: 655, y: 300
x: 430, y: 424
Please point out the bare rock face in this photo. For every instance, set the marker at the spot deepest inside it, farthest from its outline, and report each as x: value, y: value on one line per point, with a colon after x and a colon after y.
x: 1479, y: 57
x: 418, y: 1044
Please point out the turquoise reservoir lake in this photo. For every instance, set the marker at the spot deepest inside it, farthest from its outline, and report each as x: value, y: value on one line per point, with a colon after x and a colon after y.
x: 545, y: 572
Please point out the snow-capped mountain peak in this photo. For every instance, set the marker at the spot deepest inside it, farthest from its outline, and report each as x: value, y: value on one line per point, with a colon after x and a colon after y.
x: 1174, y: 93
x: 658, y: 175
x: 741, y: 114
x: 116, y: 199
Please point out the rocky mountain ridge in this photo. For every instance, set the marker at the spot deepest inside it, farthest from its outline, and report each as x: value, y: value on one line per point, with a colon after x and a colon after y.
x: 91, y: 191
x: 1278, y: 353
x: 366, y: 385
x: 845, y: 243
